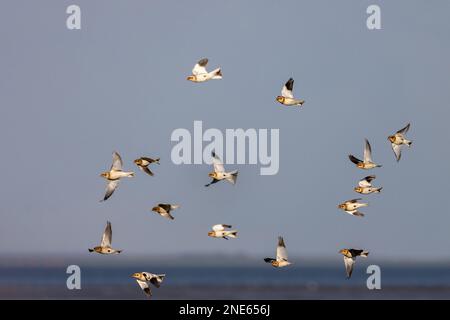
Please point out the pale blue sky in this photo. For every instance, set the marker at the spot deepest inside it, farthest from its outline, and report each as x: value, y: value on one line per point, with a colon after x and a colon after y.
x: 69, y: 98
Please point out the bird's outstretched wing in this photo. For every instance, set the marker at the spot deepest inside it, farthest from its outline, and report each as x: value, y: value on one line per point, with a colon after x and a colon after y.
x: 404, y: 130
x: 220, y: 227
x: 281, y: 250
x: 212, y: 182
x: 286, y: 91
x: 269, y: 260
x: 354, y: 159
x: 397, y: 151
x: 107, y: 236
x: 217, y: 163
x: 167, y: 207
x: 146, y: 170
x: 117, y: 162
x: 367, y: 152
x: 200, y: 67
x: 366, y: 182
x: 145, y: 287
x: 110, y: 187
x: 349, y: 262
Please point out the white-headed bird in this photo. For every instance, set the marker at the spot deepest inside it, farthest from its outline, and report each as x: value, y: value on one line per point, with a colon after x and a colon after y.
x: 219, y: 173
x: 367, y: 163
x: 105, y: 245
x: 365, y: 186
x: 144, y: 279
x: 144, y: 162
x: 219, y: 231
x: 398, y: 140
x: 350, y: 259
x: 163, y: 209
x: 352, y: 206
x: 282, y: 257
x: 114, y: 175
x: 199, y: 73
x: 287, y: 97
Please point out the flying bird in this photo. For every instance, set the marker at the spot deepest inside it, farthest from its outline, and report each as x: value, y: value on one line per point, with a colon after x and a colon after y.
x: 352, y: 206
x: 282, y: 256
x: 114, y: 175
x: 105, y: 245
x: 287, y: 97
x: 367, y: 163
x: 144, y: 279
x: 397, y: 140
x: 350, y: 258
x: 365, y: 186
x: 219, y: 231
x: 163, y: 209
x: 219, y: 172
x: 144, y: 162
x: 199, y: 73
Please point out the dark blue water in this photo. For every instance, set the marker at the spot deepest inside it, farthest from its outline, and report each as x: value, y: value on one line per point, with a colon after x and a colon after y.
x: 229, y: 282
x: 332, y: 276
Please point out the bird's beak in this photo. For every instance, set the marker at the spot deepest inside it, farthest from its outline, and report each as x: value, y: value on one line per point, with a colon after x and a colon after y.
x: 210, y: 233
x: 190, y: 78
x: 135, y: 275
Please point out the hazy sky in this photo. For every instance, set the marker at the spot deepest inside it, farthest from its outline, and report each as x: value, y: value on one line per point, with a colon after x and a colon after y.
x: 69, y: 98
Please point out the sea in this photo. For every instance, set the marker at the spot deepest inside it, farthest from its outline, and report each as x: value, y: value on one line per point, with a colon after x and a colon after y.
x: 48, y: 280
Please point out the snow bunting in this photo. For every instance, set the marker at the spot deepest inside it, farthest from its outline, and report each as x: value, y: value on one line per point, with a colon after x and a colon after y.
x: 287, y: 97
x: 219, y: 172
x: 350, y: 258
x: 351, y: 207
x: 144, y: 162
x: 282, y: 256
x: 105, y: 245
x: 199, y: 73
x: 114, y: 174
x: 365, y: 186
x: 145, y: 278
x: 163, y: 209
x: 367, y: 163
x: 220, y: 232
x: 397, y: 140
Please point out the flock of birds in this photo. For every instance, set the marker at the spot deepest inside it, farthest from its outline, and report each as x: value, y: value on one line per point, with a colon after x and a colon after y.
x: 200, y: 74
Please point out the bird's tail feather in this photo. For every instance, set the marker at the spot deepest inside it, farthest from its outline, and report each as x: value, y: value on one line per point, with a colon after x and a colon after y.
x: 232, y: 234
x: 232, y: 177
x: 364, y: 254
x: 217, y: 74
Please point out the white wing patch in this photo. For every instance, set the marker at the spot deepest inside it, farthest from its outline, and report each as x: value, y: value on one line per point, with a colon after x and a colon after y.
x: 107, y: 236
x: 286, y: 93
x: 349, y: 262
x: 218, y: 165
x: 117, y: 162
x: 367, y: 152
x: 397, y: 151
x: 218, y: 227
